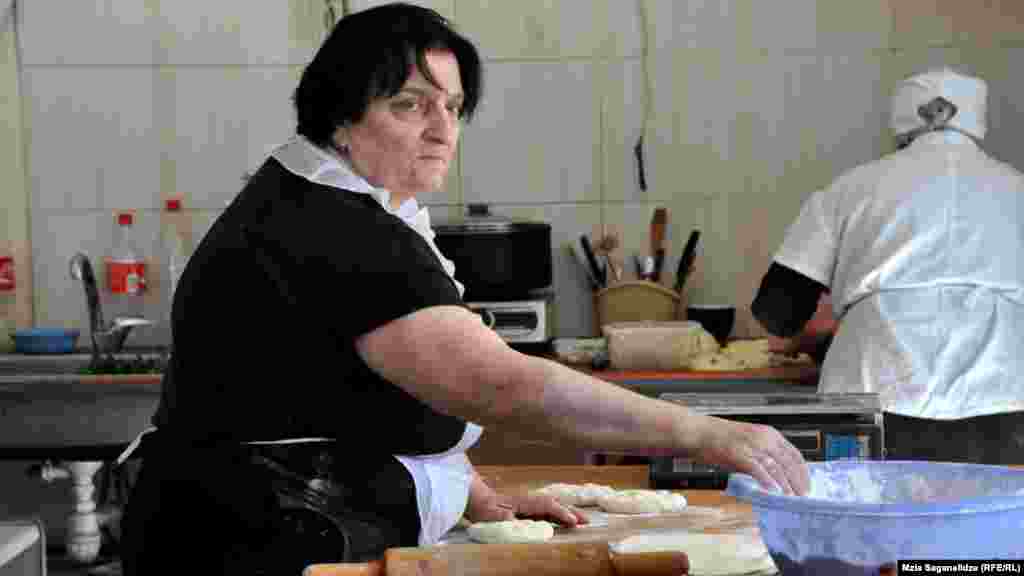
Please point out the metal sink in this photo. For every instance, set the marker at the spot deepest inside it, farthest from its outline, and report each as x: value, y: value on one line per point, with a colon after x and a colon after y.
x: 25, y: 365
x: 14, y: 365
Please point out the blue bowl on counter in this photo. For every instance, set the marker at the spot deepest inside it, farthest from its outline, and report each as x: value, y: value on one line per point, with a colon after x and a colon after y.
x: 863, y: 515
x: 45, y: 340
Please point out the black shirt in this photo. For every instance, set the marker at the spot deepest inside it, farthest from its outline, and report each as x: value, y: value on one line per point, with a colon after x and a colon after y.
x: 266, y: 314
x: 786, y: 301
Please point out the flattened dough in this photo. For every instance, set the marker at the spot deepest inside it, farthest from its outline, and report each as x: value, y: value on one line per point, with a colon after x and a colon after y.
x: 511, y: 531
x: 744, y: 355
x: 642, y: 502
x: 709, y: 554
x: 715, y: 361
x: 576, y: 494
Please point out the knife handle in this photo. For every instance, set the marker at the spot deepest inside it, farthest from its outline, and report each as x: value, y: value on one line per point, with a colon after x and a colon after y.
x: 588, y: 250
x: 686, y: 260
x: 659, y: 260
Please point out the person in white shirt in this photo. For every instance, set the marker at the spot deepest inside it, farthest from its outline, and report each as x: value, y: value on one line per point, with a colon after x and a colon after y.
x: 920, y: 253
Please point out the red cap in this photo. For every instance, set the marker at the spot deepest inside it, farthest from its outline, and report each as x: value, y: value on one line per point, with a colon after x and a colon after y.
x: 124, y: 218
x: 173, y: 204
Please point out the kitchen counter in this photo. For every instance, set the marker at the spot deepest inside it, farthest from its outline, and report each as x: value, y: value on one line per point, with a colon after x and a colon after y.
x: 67, y: 416
x: 760, y: 380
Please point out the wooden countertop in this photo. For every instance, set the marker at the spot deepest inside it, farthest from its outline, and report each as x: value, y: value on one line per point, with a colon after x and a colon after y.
x: 712, y: 510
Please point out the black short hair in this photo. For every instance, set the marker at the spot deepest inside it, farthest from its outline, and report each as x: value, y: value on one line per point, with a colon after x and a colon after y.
x: 367, y: 55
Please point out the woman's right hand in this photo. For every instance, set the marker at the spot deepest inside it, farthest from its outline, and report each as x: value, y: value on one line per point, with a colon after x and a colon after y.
x: 755, y: 449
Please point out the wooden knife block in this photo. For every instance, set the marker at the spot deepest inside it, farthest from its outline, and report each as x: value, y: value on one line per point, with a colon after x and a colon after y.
x: 635, y: 301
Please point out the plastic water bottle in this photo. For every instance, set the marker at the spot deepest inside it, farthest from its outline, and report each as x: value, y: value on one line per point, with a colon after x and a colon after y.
x: 175, y: 264
x: 176, y: 258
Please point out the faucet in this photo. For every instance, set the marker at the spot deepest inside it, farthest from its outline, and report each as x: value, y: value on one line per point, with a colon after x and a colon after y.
x: 106, y: 338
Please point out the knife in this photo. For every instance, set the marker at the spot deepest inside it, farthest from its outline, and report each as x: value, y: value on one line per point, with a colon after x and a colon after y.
x: 686, y: 260
x: 577, y: 254
x: 595, y: 267
x: 658, y: 224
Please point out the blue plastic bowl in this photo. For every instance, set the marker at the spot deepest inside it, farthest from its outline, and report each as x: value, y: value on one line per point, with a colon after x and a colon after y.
x: 875, y: 513
x: 45, y: 341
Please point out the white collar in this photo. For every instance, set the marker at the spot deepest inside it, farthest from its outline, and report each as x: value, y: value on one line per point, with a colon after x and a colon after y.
x: 307, y: 160
x: 944, y: 137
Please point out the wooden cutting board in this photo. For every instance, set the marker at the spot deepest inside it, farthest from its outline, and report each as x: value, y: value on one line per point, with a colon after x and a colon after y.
x: 562, y: 559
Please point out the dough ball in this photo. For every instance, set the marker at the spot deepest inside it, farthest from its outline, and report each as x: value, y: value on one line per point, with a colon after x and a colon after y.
x: 511, y: 531
x: 709, y: 554
x: 575, y: 494
x: 642, y: 502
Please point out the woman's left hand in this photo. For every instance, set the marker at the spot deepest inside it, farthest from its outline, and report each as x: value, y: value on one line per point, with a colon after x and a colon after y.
x: 494, y: 507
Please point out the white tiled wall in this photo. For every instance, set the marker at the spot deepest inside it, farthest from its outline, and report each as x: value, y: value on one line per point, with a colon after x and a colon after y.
x: 535, y: 137
x: 92, y: 139
x: 746, y: 107
x: 218, y: 124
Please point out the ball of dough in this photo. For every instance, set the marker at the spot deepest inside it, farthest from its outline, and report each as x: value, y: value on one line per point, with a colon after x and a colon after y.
x: 511, y: 531
x: 575, y: 494
x: 642, y: 502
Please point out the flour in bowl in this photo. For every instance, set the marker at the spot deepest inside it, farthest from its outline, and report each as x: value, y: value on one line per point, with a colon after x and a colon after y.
x: 854, y: 486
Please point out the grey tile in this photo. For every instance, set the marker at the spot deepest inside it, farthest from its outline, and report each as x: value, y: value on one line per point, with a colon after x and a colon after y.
x: 219, y: 124
x: 92, y: 142
x: 695, y: 23
x: 534, y: 139
x: 237, y: 32
x: 134, y: 33
x: 622, y: 110
x: 58, y: 32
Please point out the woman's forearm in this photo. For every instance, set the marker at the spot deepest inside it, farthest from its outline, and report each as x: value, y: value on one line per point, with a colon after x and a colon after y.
x: 552, y: 399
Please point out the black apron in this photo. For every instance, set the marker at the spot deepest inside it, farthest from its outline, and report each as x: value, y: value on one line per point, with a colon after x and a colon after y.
x: 263, y: 509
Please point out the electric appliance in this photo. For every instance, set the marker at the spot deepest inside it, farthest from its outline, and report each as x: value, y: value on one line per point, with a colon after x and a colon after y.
x: 505, y: 266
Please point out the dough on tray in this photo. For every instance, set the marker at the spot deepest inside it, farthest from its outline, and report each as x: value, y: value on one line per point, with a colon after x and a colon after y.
x: 575, y: 494
x: 642, y: 502
x: 511, y: 531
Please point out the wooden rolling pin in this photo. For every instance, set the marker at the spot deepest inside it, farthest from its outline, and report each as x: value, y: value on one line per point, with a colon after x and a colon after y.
x: 564, y: 559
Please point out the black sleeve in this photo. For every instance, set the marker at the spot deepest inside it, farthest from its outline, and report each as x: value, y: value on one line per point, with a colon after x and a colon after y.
x: 786, y: 300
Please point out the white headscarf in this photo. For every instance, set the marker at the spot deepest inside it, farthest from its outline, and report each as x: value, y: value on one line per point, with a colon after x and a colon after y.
x: 967, y: 93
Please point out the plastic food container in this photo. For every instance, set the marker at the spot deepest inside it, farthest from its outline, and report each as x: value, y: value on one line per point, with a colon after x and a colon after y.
x: 655, y: 345
x: 45, y: 341
x: 579, y: 350
x: 869, y: 514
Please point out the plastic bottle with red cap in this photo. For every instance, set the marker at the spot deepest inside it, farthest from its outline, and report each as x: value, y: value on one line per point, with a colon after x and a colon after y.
x: 175, y: 248
x: 126, y: 268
